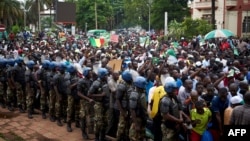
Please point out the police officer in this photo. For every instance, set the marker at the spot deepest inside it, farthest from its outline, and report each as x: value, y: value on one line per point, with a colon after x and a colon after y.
x: 61, y: 96
x: 18, y: 77
x: 3, y: 84
x: 171, y: 111
x: 10, y: 84
x: 138, y: 109
x: 97, y: 92
x: 71, y: 94
x: 43, y: 86
x: 52, y: 75
x: 30, y: 87
x: 85, y: 102
x: 124, y: 88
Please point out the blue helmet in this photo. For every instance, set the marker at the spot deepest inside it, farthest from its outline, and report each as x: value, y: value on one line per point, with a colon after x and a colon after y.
x: 140, y: 82
x: 86, y: 71
x: 52, y: 65
x: 170, y: 86
x: 45, y: 64
x: 30, y: 64
x: 127, y: 76
x: 10, y: 62
x: 102, y: 72
x: 19, y: 60
x: 3, y: 63
x: 71, y: 68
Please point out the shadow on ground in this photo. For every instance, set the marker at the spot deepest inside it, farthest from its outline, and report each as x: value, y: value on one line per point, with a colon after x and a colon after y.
x: 8, y: 115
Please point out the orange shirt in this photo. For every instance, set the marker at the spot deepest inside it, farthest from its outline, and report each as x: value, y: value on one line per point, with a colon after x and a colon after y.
x: 227, y: 115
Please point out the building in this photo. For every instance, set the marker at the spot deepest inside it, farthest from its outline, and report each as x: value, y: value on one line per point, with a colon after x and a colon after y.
x: 229, y: 14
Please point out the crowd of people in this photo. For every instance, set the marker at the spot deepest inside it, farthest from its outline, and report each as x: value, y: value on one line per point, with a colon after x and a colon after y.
x: 162, y: 91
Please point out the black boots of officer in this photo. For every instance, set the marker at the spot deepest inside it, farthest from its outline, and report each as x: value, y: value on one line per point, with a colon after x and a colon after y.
x: 44, y: 114
x: 69, y: 129
x: 59, y: 122
x: 83, y: 128
x: 30, y: 114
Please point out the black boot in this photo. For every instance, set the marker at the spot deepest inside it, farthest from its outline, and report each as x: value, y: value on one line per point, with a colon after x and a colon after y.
x: 77, y: 123
x: 69, y: 129
x: 83, y: 128
x: 10, y: 107
x: 30, y: 114
x: 52, y: 118
x: 97, y: 137
x: 44, y: 114
x: 102, y: 136
x: 21, y: 110
x: 59, y: 123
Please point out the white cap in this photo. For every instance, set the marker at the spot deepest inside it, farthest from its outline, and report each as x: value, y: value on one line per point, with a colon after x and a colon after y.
x: 236, y: 100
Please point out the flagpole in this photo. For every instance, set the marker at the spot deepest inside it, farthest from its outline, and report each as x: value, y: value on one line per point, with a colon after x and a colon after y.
x: 95, y: 15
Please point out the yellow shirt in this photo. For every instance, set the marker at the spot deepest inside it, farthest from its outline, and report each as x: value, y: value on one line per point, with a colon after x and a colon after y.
x: 204, y: 119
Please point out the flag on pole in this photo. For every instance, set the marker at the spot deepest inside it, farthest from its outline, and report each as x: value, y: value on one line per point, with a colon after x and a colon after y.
x: 97, y: 42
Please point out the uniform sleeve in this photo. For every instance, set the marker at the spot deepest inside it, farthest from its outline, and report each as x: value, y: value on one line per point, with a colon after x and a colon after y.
x: 192, y: 114
x: 119, y: 91
x: 133, y: 98
x: 79, y: 85
x: 164, y: 106
x: 94, y: 87
x: 54, y: 80
x: 27, y: 76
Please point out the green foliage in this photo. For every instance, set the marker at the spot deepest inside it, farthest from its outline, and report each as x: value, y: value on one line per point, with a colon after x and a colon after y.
x: 177, y: 10
x: 195, y: 27
x: 86, y: 13
x: 176, y: 29
x: 15, y: 29
x: 189, y: 28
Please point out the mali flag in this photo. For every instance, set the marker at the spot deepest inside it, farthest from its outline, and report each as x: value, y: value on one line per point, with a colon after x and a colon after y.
x: 97, y: 42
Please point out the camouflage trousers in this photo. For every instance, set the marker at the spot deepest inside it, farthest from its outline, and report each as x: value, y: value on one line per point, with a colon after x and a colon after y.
x: 3, y: 96
x: 73, y: 106
x: 137, y: 135
x: 99, y: 118
x: 167, y: 134
x: 52, y: 102
x: 61, y: 107
x: 43, y: 99
x: 20, y: 94
x: 10, y: 95
x: 87, y: 114
x: 123, y: 128
x: 30, y: 98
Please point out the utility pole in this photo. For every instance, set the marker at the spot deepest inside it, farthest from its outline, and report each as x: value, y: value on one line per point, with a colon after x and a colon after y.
x: 213, y: 13
x: 96, y: 27
x: 149, y: 14
x: 39, y: 18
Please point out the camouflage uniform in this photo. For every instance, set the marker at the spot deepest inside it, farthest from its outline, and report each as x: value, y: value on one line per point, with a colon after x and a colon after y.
x: 30, y: 87
x: 52, y: 94
x: 18, y: 75
x: 10, y: 89
x: 85, y: 107
x: 3, y: 86
x: 122, y: 94
x: 71, y: 93
x: 168, y: 128
x: 99, y: 109
x: 137, y: 102
x: 61, y: 98
x: 44, y: 89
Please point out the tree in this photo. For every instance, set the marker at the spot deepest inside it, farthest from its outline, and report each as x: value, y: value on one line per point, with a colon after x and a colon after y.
x: 86, y: 14
x: 176, y: 29
x: 10, y: 12
x: 194, y: 27
x: 177, y: 10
